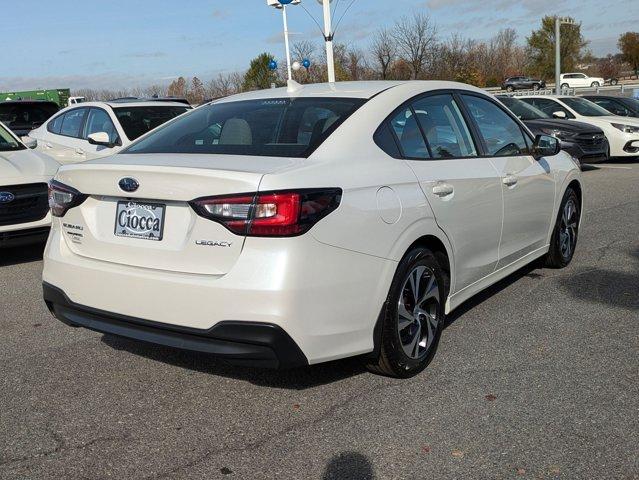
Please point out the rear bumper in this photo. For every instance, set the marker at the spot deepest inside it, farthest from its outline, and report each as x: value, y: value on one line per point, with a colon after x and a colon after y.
x: 326, y: 299
x: 22, y: 237
x: 243, y: 343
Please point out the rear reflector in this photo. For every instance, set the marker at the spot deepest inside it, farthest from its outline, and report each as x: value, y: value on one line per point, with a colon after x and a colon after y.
x: 270, y: 214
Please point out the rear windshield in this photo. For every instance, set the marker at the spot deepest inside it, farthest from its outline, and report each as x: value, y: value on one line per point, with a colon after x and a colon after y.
x: 276, y: 127
x: 523, y: 110
x: 585, y: 107
x: 26, y: 114
x: 136, y: 121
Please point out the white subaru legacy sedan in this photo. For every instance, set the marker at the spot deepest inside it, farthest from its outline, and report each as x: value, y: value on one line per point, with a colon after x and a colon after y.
x: 294, y: 226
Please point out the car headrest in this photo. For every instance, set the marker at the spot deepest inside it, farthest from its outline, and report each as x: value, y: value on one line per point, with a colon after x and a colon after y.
x: 236, y: 131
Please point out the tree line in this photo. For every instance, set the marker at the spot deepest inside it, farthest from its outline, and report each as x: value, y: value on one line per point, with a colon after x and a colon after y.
x: 413, y: 49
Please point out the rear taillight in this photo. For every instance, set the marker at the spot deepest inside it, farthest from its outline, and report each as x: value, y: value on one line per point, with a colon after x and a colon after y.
x: 62, y: 198
x: 270, y: 214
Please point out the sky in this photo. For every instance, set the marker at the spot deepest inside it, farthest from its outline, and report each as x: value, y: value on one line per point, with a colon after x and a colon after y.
x: 126, y: 43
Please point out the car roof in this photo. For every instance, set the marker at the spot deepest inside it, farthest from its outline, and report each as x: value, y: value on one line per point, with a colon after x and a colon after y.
x: 136, y: 103
x: 364, y: 90
x: 358, y: 89
x: 552, y: 97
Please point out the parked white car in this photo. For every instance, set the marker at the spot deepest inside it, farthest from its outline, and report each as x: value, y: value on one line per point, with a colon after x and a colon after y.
x: 580, y: 80
x: 99, y: 129
x: 295, y: 226
x: 24, y: 177
x: 622, y: 132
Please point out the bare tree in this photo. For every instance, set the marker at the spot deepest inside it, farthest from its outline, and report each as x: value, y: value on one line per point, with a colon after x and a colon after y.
x: 225, y: 84
x: 178, y: 88
x: 384, y: 51
x: 304, y: 50
x: 415, y: 36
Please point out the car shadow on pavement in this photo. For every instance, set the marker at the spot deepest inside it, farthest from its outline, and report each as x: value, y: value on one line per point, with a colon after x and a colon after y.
x: 349, y: 466
x: 17, y: 255
x: 527, y: 271
x: 294, y: 379
x: 609, y: 287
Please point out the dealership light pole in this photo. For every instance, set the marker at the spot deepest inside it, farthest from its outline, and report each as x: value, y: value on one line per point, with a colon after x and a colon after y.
x: 281, y: 5
x: 558, y: 23
x: 328, y: 38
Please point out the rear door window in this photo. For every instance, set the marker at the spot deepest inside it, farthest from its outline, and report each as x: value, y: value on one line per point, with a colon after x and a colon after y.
x: 443, y: 125
x: 503, y: 136
x: 72, y: 122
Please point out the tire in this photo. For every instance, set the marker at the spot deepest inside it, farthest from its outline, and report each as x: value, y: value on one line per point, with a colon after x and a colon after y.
x: 595, y: 84
x: 565, y: 232
x: 565, y: 86
x: 411, y: 327
x: 510, y: 88
x: 536, y: 86
x: 614, y: 81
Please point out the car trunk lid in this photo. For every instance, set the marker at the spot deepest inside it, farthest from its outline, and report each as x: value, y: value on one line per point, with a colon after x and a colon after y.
x: 185, y: 242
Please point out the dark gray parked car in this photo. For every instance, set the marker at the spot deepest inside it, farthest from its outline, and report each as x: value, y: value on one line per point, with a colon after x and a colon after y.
x: 522, y: 83
x: 585, y: 142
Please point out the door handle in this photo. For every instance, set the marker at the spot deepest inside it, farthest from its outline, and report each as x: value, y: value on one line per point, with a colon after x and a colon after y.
x: 79, y: 151
x: 510, y: 180
x: 443, y: 189
x: 48, y: 145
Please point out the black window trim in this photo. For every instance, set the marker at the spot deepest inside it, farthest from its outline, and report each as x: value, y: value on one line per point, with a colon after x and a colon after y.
x: 476, y: 137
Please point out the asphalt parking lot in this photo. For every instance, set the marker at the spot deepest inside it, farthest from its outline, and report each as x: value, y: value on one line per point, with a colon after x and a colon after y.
x: 536, y: 378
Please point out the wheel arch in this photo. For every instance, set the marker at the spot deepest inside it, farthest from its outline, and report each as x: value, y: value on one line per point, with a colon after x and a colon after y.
x: 442, y: 250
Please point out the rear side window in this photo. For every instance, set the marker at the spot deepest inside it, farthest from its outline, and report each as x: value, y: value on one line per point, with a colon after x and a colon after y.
x: 385, y: 140
x: 502, y: 135
x: 54, y: 125
x: 444, y: 127
x: 279, y: 127
x: 409, y: 134
x: 72, y: 122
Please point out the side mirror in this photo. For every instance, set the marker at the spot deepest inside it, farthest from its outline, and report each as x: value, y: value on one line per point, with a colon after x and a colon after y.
x: 545, y: 146
x: 100, y: 138
x: 559, y: 114
x: 29, y: 142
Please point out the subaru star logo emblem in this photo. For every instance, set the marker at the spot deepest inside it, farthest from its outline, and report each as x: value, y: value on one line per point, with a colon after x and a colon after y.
x: 7, y: 197
x: 129, y: 184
